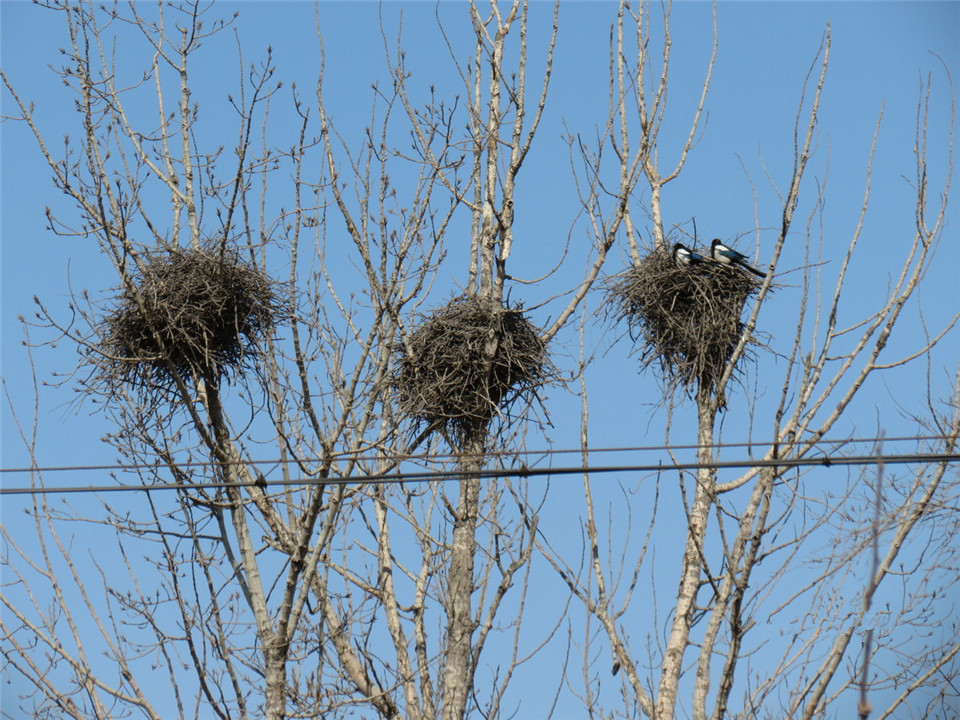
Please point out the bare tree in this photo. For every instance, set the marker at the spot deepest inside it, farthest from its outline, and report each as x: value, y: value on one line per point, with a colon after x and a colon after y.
x: 282, y: 591
x: 736, y: 528
x: 265, y: 421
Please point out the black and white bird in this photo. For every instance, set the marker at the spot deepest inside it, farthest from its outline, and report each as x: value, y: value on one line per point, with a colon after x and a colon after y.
x: 684, y: 256
x: 728, y: 256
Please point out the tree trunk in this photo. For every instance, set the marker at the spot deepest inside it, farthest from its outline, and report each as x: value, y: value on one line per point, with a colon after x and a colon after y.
x: 458, y: 674
x: 276, y: 679
x: 692, y: 560
x: 271, y: 640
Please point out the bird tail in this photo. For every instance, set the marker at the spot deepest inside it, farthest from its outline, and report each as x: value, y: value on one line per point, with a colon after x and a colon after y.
x: 753, y: 270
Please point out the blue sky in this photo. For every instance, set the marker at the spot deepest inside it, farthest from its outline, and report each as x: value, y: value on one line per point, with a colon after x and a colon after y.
x: 881, y: 52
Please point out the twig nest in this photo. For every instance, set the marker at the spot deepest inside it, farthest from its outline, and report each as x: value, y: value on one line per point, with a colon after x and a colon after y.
x: 199, y: 313
x: 686, y: 320
x: 467, y: 362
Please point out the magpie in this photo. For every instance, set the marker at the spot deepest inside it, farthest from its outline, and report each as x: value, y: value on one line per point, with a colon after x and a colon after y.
x: 728, y: 256
x: 684, y: 256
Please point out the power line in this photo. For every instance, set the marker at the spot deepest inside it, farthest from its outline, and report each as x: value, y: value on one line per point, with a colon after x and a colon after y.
x: 436, y: 457
x: 524, y: 472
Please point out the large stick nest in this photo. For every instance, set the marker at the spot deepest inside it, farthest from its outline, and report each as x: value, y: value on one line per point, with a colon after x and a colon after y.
x: 467, y: 362
x: 685, y: 319
x: 196, y: 313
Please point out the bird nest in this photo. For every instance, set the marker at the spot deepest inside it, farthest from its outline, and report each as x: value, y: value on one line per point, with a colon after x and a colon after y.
x: 467, y: 362
x: 192, y: 313
x: 686, y: 319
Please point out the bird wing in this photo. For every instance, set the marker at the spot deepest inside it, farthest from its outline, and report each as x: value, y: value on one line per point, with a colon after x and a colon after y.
x: 731, y: 253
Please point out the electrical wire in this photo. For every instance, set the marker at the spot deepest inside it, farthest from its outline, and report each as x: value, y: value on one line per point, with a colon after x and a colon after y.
x: 438, y: 457
x: 523, y: 471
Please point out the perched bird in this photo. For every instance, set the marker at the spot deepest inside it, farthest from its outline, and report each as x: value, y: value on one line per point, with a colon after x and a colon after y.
x: 684, y: 256
x: 728, y: 256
